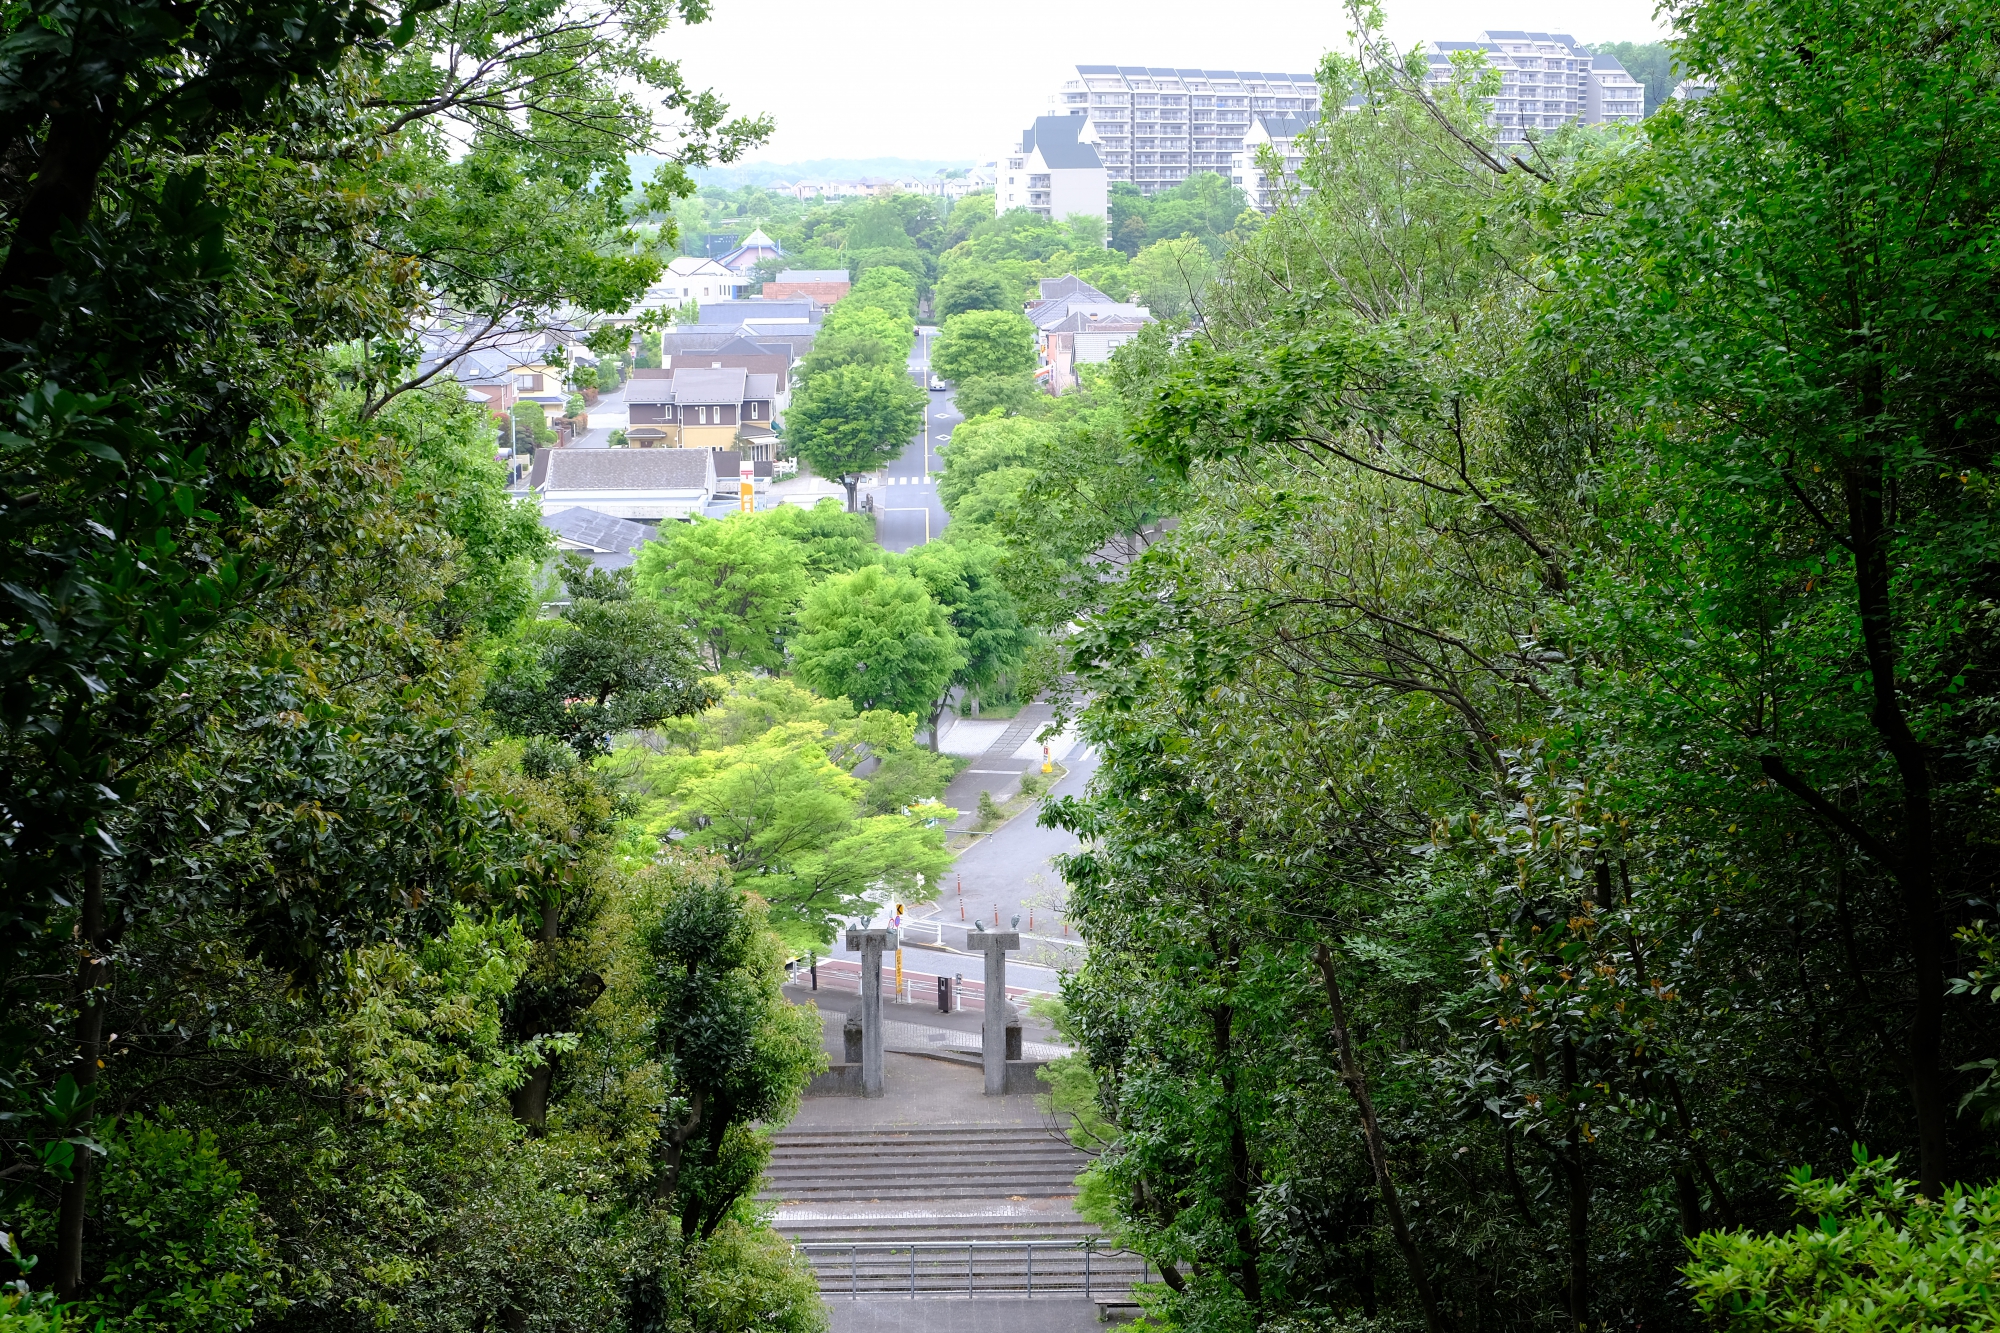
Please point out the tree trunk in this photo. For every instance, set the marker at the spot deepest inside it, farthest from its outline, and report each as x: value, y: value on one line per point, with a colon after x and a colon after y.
x: 1914, y: 851
x: 65, y: 185
x: 531, y: 1100
x: 1236, y: 1194
x: 90, y: 979
x: 851, y: 483
x: 1579, y: 1198
x: 1356, y: 1079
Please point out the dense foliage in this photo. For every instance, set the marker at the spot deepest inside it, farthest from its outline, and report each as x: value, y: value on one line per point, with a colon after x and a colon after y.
x: 339, y: 986
x: 1548, y: 784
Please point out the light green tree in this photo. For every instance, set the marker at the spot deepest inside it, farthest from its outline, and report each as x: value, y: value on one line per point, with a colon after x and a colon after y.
x: 1171, y: 277
x: 764, y: 782
x: 890, y: 290
x: 878, y: 638
x: 859, y: 335
x: 963, y: 579
x: 733, y: 583
x: 972, y: 286
x: 983, y: 343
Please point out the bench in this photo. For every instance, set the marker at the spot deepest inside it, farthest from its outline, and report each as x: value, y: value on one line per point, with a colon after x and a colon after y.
x: 1106, y: 1304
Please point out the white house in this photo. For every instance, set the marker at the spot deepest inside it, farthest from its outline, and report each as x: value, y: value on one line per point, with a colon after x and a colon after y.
x: 646, y: 485
x: 1280, y: 133
x: 1055, y: 171
x: 688, y: 278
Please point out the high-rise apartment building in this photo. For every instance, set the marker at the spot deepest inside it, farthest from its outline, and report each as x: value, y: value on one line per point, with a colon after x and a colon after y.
x: 1547, y: 79
x: 1156, y: 127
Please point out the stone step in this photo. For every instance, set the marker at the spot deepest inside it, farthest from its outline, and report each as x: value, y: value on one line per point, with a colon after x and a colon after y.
x: 952, y: 1134
x: 932, y: 1234
x: 928, y: 1164
x: 867, y: 1175
x: 934, y: 1191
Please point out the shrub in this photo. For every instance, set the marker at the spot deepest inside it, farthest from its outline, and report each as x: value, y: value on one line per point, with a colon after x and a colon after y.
x: 1877, y: 1256
x: 182, y: 1253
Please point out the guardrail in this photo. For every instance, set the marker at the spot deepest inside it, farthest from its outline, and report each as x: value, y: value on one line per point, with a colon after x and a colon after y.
x: 844, y: 974
x: 1066, y: 1279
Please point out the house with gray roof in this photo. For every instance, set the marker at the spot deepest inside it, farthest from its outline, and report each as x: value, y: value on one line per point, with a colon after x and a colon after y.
x: 1055, y: 171
x: 611, y: 543
x: 642, y: 485
x: 705, y: 407
x: 1076, y: 324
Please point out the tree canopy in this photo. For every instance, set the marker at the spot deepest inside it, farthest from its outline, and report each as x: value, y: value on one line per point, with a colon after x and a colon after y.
x: 877, y: 637
x: 984, y: 344
x: 852, y: 419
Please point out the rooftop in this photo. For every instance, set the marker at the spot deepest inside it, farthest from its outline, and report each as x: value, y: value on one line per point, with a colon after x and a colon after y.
x: 629, y: 470
x: 1056, y: 139
x: 813, y: 275
x: 589, y: 530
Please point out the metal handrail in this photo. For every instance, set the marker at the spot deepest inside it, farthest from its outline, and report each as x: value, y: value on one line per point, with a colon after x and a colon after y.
x: 1090, y: 1245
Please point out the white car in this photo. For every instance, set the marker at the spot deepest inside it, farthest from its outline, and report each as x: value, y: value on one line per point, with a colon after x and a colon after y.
x: 937, y: 385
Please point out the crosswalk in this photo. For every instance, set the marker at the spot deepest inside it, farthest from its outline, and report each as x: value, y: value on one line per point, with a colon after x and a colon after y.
x: 906, y: 481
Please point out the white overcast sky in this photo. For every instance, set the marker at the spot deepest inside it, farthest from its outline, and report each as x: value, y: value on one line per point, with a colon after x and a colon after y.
x: 947, y: 79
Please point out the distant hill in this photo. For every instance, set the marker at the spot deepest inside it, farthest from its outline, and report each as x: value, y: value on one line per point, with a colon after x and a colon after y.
x: 831, y: 168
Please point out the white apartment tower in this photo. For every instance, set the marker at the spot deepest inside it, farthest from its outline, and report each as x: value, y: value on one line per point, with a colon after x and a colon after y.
x: 1156, y: 127
x: 1547, y: 79
x: 1055, y: 171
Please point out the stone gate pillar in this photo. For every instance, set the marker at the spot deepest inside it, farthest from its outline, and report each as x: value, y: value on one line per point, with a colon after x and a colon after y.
x: 870, y: 944
x: 994, y: 944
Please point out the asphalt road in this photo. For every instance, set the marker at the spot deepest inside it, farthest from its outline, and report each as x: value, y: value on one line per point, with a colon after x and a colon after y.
x: 1009, y: 874
x: 907, y: 512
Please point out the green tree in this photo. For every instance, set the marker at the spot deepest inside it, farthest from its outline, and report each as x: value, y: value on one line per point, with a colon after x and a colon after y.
x: 1171, y: 277
x: 607, y: 664
x: 963, y: 579
x: 764, y: 781
x: 1008, y: 395
x: 735, y: 1050
x: 853, y: 419
x: 859, y: 335
x: 733, y: 583
x: 980, y: 344
x: 878, y: 638
x: 830, y: 540
x: 974, y: 287
x: 890, y: 290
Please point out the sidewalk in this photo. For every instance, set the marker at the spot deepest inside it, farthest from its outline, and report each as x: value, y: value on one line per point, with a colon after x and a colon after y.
x: 1010, y: 750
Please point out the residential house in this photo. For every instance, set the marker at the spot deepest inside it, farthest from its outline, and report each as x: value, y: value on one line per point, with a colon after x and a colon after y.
x: 611, y: 543
x: 1279, y: 133
x: 822, y: 286
x: 755, y: 249
x: 708, y: 408
x: 689, y: 278
x: 1155, y: 127
x: 736, y: 354
x: 1076, y: 324
x: 646, y: 485
x: 1055, y: 171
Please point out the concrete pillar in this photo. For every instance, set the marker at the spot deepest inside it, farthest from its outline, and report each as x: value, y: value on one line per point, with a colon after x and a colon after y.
x: 870, y: 944
x: 993, y: 1038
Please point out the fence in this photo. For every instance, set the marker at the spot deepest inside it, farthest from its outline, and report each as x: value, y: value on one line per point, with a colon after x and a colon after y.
x: 844, y: 974
x: 931, y: 1268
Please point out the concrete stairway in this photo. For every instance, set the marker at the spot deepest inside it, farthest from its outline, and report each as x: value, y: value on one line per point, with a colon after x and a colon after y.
x: 940, y: 1212
x: 1002, y: 1162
